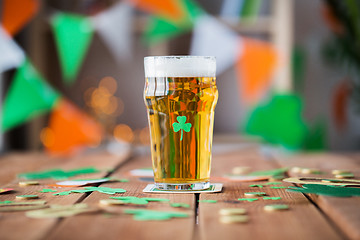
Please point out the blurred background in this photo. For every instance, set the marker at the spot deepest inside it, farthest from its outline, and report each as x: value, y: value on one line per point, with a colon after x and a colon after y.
x: 72, y: 78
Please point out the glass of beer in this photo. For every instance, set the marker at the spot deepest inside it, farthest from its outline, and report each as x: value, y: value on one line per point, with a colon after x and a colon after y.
x: 180, y: 95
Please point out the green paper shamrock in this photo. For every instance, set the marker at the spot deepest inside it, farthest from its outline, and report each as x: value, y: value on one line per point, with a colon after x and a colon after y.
x: 147, y: 215
x: 181, y: 125
x: 326, y: 190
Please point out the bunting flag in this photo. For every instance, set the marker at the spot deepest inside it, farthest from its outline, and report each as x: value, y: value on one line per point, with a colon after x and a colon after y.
x: 73, y: 34
x: 29, y: 96
x: 115, y: 28
x: 279, y: 121
x: 169, y: 9
x: 256, y: 63
x: 11, y: 54
x: 232, y: 9
x: 339, y: 105
x: 16, y: 13
x: 69, y: 130
x: 250, y: 9
x: 159, y: 29
x: 316, y: 137
x: 208, y: 35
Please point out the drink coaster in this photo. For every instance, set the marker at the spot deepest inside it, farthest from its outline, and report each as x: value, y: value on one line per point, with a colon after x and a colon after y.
x: 214, y: 187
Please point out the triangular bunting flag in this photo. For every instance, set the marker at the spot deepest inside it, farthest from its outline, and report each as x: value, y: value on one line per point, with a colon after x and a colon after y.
x: 231, y: 9
x: 73, y: 34
x: 11, y: 54
x: 257, y: 61
x: 29, y: 95
x: 279, y: 121
x: 159, y: 29
x: 115, y: 28
x: 16, y: 13
x: 250, y: 9
x: 208, y: 35
x: 69, y: 129
x: 170, y: 9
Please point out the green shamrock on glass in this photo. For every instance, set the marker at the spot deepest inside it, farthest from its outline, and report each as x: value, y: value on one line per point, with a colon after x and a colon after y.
x: 181, y: 125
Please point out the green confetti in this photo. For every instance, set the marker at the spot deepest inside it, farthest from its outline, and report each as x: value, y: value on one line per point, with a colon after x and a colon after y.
x: 132, y: 200
x: 256, y: 185
x: 27, y: 196
x: 156, y: 199
x: 271, y: 198
x: 326, y: 190
x: 208, y: 201
x: 273, y: 183
x: 183, y: 205
x: 148, y: 215
x: 46, y: 190
x: 106, y: 190
x: 6, y: 202
x: 278, y: 187
x: 58, y: 173
x: 248, y: 199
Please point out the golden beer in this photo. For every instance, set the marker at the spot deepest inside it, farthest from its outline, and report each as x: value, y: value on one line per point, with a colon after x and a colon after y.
x: 181, y: 118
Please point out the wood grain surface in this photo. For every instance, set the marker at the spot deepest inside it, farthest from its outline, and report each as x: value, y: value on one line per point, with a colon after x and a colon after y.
x: 15, y: 224
x: 301, y: 221
x: 344, y: 212
x: 121, y: 226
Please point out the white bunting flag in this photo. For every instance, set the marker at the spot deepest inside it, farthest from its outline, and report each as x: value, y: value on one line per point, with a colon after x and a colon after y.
x: 231, y: 9
x: 115, y: 28
x: 11, y: 55
x: 212, y: 38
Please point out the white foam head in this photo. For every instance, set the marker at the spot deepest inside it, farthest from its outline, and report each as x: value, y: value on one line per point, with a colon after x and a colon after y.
x: 180, y: 66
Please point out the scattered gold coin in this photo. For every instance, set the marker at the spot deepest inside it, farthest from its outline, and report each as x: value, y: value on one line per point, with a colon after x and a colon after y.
x: 254, y: 194
x: 28, y: 183
x: 232, y: 211
x: 109, y: 202
x: 296, y: 169
x: 234, y: 219
x: 26, y: 197
x: 276, y: 207
x: 241, y: 170
x: 344, y: 175
x: 309, y: 171
x: 339, y: 171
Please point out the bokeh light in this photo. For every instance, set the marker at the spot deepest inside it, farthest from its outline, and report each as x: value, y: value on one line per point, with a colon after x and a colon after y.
x: 123, y: 133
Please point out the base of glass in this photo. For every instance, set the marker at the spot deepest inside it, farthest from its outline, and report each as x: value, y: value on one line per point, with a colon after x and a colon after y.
x: 183, y: 186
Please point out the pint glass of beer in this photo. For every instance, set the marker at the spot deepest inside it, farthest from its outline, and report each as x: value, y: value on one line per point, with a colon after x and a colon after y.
x: 180, y: 95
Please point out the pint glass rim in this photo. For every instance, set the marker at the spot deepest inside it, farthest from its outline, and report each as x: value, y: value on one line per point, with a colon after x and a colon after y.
x: 180, y: 57
x: 180, y: 66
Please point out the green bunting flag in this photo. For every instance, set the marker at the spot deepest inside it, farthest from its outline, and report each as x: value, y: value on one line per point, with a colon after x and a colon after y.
x: 250, y: 9
x: 29, y: 96
x: 279, y: 121
x: 159, y: 29
x: 73, y: 34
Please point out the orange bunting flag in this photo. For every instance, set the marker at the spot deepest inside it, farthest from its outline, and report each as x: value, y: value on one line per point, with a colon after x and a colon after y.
x: 170, y: 9
x: 339, y: 104
x: 16, y: 13
x: 256, y: 63
x: 69, y: 130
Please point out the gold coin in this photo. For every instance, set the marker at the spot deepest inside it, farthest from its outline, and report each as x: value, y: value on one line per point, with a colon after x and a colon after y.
x: 276, y: 207
x: 28, y: 183
x: 234, y: 219
x: 232, y: 211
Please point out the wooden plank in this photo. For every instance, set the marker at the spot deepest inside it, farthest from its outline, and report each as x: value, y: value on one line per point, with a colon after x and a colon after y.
x: 123, y: 226
x: 302, y: 221
x: 14, y: 225
x: 344, y: 212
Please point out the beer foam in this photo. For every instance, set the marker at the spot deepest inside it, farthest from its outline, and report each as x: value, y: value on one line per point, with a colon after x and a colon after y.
x: 180, y: 66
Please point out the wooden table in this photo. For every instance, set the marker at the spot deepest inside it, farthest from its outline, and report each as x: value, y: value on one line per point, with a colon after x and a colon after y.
x: 309, y: 217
